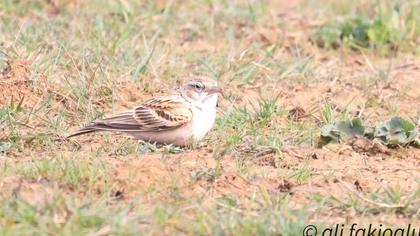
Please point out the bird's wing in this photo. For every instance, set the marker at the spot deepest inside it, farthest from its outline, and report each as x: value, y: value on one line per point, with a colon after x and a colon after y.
x: 163, y: 113
x: 156, y: 114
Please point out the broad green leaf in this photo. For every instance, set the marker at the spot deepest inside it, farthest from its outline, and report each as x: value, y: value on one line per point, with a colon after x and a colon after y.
x: 350, y: 129
x: 396, y: 131
x: 342, y: 131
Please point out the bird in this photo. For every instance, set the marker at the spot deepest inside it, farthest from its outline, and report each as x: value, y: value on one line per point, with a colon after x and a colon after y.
x: 182, y: 118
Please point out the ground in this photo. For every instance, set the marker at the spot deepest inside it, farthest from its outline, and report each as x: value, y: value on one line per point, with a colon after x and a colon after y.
x: 260, y: 170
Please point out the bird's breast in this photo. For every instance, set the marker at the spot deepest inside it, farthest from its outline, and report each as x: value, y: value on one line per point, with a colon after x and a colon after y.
x: 203, y: 121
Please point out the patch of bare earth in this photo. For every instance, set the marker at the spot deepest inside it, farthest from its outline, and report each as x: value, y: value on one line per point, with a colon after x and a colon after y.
x: 37, y: 193
x: 15, y: 77
x: 343, y: 174
x: 347, y: 172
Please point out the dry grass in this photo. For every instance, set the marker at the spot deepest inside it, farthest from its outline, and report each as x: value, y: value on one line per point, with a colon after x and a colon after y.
x: 66, y: 63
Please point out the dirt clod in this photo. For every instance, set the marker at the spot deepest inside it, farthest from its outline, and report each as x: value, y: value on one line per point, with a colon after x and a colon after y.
x: 358, y: 186
x: 285, y: 186
x: 15, y: 77
x: 265, y: 160
x: 368, y: 147
x: 297, y: 114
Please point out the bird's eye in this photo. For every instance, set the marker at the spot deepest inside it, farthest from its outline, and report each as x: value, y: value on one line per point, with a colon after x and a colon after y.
x: 198, y: 86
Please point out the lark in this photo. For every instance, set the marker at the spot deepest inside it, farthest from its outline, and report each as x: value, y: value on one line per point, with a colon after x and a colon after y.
x: 179, y: 119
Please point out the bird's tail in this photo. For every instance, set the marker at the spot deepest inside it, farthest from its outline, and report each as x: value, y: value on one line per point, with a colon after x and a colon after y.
x: 85, y: 130
x: 99, y: 126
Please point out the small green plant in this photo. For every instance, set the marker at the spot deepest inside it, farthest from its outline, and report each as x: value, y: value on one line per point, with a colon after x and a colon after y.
x: 396, y: 131
x: 207, y: 174
x: 267, y: 108
x: 4, y: 146
x: 391, y: 26
x: 342, y: 130
x: 144, y: 147
x: 327, y: 37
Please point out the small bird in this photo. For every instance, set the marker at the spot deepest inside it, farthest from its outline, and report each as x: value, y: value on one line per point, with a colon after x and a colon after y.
x: 180, y: 119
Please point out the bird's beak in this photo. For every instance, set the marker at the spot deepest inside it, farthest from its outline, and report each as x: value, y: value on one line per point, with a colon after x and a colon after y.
x: 214, y: 89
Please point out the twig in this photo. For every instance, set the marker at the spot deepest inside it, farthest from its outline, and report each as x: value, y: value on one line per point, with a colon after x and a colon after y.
x: 5, y: 54
x: 403, y: 66
x: 378, y: 204
x: 23, y: 124
x: 292, y: 153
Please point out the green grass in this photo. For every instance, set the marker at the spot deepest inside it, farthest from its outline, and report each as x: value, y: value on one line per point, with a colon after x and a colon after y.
x: 66, y: 211
x: 66, y: 216
x: 386, y: 26
x: 96, y: 57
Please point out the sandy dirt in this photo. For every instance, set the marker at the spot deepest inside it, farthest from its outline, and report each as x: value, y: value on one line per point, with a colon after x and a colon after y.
x: 342, y: 171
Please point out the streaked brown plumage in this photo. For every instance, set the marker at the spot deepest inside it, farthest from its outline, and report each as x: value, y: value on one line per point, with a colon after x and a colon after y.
x: 174, y: 119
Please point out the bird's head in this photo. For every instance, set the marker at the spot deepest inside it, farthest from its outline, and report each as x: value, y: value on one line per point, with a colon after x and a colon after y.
x: 201, y: 91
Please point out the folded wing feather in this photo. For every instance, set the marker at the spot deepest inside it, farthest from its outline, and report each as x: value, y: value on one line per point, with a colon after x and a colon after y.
x: 157, y: 114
